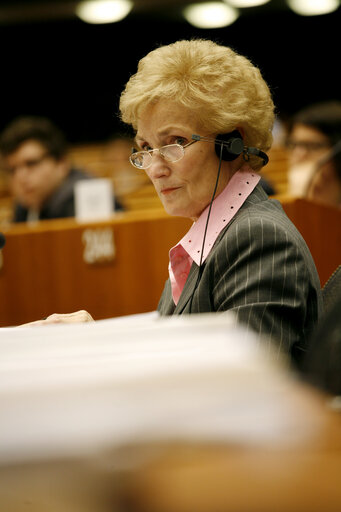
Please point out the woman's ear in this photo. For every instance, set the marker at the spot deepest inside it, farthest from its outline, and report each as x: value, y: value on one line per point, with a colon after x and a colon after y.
x: 241, y: 131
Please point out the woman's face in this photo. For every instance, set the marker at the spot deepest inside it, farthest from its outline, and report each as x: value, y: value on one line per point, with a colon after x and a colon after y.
x: 185, y: 187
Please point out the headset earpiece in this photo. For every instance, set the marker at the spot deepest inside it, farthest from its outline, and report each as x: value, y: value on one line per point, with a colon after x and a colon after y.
x: 257, y: 152
x: 233, y: 145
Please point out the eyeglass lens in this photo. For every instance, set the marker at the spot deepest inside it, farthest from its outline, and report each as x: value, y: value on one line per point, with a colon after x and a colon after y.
x: 307, y: 145
x: 143, y: 159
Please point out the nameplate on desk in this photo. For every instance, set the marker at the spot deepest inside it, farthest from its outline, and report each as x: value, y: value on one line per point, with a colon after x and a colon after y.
x: 93, y: 199
x: 99, y: 246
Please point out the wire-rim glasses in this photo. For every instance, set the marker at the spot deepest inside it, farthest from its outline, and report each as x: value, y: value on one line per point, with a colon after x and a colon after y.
x: 171, y: 153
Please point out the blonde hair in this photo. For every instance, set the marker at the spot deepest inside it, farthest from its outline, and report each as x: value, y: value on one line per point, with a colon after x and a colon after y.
x: 223, y: 89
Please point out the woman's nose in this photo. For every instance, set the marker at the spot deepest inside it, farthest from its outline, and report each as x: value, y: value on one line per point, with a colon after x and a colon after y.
x: 159, y: 167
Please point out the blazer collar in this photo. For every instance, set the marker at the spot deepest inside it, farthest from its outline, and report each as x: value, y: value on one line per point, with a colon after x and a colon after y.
x: 256, y: 196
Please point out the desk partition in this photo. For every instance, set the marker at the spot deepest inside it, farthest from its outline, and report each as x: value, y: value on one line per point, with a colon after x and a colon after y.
x: 110, y: 268
x: 320, y: 226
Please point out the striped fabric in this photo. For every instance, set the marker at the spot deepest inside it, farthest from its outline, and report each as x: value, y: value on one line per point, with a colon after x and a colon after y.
x: 261, y: 269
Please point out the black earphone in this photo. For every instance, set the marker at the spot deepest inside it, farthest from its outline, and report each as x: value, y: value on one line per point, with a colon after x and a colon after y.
x: 232, y: 145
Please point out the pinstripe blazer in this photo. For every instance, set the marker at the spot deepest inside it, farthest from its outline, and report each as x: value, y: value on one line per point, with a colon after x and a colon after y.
x: 260, y: 268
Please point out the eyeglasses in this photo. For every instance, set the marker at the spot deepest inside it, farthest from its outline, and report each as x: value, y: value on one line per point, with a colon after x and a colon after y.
x: 310, y: 146
x: 30, y: 163
x: 171, y: 153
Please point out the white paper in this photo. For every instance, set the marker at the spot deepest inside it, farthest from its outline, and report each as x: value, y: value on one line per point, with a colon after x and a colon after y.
x: 93, y: 199
x: 74, y: 389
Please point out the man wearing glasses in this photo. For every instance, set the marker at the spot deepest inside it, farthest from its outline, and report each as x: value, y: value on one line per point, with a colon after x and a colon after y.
x: 41, y: 177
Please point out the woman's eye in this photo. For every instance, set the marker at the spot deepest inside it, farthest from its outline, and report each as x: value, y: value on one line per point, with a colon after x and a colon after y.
x: 180, y: 140
x: 146, y: 148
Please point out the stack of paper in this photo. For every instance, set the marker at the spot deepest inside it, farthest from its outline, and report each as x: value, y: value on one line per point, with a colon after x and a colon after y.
x: 78, y: 388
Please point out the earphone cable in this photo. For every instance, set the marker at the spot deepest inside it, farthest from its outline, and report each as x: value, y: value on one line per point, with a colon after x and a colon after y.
x: 206, y: 226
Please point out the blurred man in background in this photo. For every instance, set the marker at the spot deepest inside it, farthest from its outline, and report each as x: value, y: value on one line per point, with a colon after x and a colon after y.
x: 41, y: 178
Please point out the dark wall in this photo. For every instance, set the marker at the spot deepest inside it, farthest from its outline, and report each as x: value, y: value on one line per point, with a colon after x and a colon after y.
x: 73, y: 72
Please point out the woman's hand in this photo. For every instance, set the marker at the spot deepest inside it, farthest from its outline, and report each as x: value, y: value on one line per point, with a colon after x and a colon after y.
x: 63, y: 318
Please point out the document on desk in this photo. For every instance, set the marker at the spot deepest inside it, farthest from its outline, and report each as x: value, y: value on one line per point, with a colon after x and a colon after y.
x: 74, y: 389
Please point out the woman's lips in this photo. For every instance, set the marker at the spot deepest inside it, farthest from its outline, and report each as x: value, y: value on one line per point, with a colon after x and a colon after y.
x: 169, y: 190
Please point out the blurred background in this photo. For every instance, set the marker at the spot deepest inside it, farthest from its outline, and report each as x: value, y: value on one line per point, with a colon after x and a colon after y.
x: 57, y: 65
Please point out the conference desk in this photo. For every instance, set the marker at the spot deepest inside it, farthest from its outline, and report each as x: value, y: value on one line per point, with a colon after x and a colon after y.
x: 110, y: 268
x: 190, y: 477
x: 242, y: 478
x: 119, y: 266
x: 178, y: 414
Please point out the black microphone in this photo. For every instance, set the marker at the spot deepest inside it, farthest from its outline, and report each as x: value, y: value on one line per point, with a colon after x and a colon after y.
x: 259, y: 153
x: 2, y: 240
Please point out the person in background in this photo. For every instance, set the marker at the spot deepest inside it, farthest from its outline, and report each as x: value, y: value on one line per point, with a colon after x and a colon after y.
x: 203, y: 118
x: 41, y: 178
x: 314, y: 146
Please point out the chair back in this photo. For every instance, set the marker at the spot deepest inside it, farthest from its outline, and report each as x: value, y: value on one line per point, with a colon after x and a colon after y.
x: 332, y: 289
x: 322, y: 363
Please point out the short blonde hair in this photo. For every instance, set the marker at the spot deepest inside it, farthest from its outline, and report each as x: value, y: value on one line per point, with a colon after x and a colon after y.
x: 223, y: 89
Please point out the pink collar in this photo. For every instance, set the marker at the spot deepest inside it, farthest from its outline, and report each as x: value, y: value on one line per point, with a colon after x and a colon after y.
x: 224, y: 207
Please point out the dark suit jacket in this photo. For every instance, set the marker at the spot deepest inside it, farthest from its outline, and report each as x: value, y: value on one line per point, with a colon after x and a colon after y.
x: 261, y: 269
x: 62, y: 202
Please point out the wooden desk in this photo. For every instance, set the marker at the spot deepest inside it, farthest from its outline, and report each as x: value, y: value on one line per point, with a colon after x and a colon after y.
x: 111, y: 268
x: 320, y: 226
x: 190, y: 477
x: 119, y: 267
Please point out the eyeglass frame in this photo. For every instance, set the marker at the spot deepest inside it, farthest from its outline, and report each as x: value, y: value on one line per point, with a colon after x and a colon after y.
x: 31, y: 163
x: 309, y: 146
x: 150, y: 151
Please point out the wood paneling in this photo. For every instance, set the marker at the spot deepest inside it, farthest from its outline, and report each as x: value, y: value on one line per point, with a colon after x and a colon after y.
x: 43, y: 270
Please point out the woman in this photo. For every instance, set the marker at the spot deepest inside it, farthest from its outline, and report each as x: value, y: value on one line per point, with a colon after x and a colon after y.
x: 203, y: 117
x: 253, y: 261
